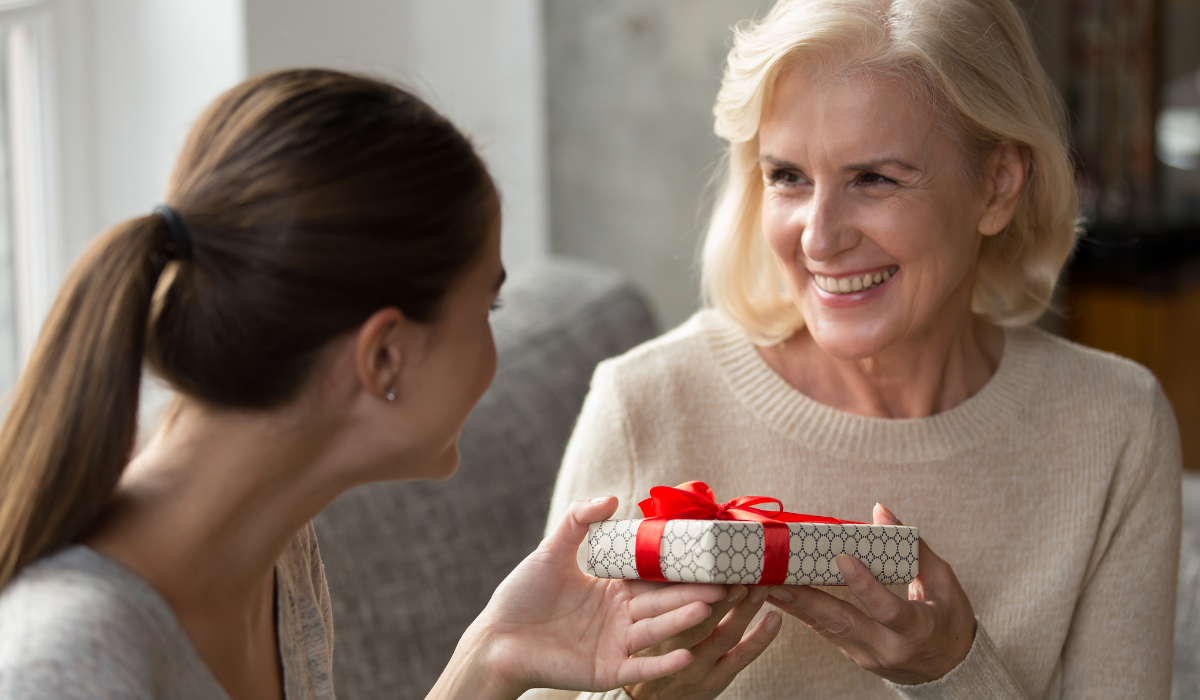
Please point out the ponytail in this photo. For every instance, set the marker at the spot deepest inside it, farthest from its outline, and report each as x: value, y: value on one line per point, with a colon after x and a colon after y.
x: 312, y: 199
x: 73, y: 419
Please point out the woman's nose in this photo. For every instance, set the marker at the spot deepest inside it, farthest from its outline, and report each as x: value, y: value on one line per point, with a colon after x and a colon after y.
x: 827, y: 231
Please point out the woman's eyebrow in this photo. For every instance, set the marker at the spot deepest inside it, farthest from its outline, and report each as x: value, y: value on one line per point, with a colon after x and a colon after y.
x: 878, y: 163
x: 867, y: 165
x: 501, y: 279
x: 779, y: 163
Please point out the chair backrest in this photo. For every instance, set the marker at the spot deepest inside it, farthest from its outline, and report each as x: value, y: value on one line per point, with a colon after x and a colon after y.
x: 411, y: 564
x: 1186, y: 681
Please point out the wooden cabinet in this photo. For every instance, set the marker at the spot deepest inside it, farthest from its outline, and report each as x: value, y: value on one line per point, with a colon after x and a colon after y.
x: 1159, y: 329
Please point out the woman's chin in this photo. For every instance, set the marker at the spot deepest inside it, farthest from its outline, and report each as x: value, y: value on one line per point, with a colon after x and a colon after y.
x: 444, y: 466
x: 849, y: 339
x: 848, y: 343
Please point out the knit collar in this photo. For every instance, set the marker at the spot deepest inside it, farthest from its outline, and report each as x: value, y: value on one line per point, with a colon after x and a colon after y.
x: 859, y: 438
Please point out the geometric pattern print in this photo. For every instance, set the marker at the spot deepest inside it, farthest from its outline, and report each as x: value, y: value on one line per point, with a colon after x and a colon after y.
x: 612, y: 549
x: 890, y: 551
x: 725, y: 551
x: 711, y: 551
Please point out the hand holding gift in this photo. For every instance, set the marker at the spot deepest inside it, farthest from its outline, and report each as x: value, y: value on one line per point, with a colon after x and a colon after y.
x: 550, y: 625
x: 688, y: 536
x: 905, y: 641
x: 720, y: 648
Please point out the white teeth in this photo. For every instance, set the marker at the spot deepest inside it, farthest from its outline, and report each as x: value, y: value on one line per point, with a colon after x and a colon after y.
x: 847, y: 285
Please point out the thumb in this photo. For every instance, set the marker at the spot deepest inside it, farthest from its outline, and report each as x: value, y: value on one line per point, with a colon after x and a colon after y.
x: 882, y: 516
x: 925, y: 556
x: 926, y: 559
x: 935, y: 577
x: 573, y: 527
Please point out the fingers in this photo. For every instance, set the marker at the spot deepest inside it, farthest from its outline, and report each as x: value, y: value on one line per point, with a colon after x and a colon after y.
x: 693, y: 636
x: 573, y: 528
x: 933, y: 572
x: 729, y: 631
x: 650, y: 631
x: 831, y: 617
x: 782, y: 597
x: 927, y: 561
x: 660, y: 600
x: 752, y: 645
x: 887, y: 608
x: 639, y: 669
x: 883, y: 516
x: 639, y: 587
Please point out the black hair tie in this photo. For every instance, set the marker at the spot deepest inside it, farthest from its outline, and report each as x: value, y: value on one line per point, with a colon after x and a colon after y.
x: 181, y: 239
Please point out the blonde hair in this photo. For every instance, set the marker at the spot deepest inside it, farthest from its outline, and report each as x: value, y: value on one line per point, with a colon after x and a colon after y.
x: 974, y: 61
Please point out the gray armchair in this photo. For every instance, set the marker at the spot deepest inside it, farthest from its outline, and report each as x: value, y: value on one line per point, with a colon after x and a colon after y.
x: 1187, y: 609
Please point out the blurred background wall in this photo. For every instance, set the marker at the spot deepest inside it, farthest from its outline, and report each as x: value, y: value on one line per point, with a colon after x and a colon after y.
x: 595, y: 117
x: 630, y: 87
x: 479, y: 61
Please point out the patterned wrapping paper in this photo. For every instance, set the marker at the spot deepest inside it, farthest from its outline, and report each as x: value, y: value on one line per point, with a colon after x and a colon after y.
x: 731, y: 551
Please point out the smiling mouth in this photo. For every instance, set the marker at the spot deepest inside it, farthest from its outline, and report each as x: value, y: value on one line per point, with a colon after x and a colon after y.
x: 854, y: 283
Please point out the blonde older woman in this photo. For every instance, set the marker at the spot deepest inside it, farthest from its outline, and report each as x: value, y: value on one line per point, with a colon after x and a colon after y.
x: 897, y: 206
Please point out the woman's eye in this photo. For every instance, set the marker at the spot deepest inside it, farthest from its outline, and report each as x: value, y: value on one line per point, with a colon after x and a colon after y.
x: 497, y: 304
x: 875, y: 179
x: 786, y: 177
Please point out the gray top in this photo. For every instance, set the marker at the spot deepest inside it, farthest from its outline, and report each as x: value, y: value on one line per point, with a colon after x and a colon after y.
x: 77, y: 625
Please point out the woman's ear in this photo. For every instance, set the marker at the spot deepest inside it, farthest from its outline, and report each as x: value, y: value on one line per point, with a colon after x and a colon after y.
x: 1005, y: 178
x: 379, y: 352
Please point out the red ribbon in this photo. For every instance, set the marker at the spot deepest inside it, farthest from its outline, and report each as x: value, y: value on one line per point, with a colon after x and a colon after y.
x: 696, y: 501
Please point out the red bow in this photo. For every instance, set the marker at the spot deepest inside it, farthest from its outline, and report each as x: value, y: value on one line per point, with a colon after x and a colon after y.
x: 694, y: 500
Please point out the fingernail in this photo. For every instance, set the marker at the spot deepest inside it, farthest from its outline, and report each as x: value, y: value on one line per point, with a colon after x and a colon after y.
x: 780, y: 594
x: 600, y: 499
x: 735, y: 593
x: 846, y: 567
x: 758, y: 594
x: 887, y: 513
x: 774, y: 620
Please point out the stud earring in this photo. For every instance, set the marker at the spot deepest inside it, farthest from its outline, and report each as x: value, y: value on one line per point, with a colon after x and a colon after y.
x: 391, y: 394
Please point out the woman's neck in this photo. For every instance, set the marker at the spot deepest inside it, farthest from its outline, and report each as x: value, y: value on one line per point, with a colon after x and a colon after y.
x: 205, y: 510
x: 917, y: 377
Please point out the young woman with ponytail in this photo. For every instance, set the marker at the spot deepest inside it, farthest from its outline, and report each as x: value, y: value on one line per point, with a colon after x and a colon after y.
x: 317, y: 293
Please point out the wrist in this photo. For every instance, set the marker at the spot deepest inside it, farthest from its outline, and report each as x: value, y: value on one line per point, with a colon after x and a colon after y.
x: 473, y: 671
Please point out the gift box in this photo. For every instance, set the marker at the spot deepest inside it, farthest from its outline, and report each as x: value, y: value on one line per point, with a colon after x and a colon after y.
x: 688, y: 537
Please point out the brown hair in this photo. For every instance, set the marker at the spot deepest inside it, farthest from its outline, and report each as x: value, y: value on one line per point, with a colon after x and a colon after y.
x: 314, y: 198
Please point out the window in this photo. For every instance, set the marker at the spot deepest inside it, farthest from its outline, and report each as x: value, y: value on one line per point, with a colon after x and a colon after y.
x: 26, y: 189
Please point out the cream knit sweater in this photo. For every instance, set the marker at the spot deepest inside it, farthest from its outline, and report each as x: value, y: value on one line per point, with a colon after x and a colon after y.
x: 1054, y: 494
